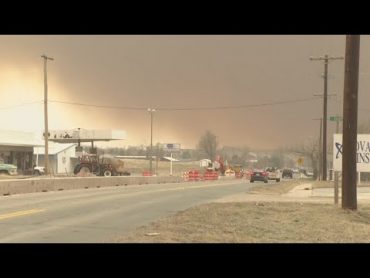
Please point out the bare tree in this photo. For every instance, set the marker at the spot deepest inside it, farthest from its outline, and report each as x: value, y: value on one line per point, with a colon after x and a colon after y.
x: 235, y: 155
x: 208, y: 144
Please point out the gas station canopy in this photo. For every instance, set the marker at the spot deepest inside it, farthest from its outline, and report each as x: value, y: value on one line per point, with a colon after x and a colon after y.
x: 80, y: 135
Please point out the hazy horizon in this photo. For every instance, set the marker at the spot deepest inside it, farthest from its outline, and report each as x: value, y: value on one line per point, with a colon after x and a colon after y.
x: 166, y: 72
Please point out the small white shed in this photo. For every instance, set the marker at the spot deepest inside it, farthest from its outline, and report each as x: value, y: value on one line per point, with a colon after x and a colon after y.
x: 60, y: 157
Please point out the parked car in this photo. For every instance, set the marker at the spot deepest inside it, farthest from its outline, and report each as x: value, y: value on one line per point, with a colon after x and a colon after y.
x: 259, y: 175
x: 273, y: 173
x: 307, y: 173
x: 287, y: 173
x: 8, y: 169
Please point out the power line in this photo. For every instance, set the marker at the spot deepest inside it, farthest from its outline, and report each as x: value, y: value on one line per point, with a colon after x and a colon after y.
x: 189, y: 108
x: 239, y: 106
x: 341, y: 102
x: 361, y: 73
x: 99, y: 106
x: 19, y: 105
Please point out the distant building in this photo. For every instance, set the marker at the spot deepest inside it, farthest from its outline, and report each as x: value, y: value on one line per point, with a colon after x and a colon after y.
x: 16, y: 147
x: 205, y: 163
x: 62, y: 157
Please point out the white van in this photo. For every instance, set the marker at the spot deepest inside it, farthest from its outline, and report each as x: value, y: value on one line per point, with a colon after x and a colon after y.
x: 273, y: 173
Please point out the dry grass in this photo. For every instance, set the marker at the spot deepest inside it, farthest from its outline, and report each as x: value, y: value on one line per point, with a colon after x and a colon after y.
x: 251, y: 222
x: 268, y: 220
x: 278, y: 188
x: 322, y: 184
x: 330, y: 184
x: 137, y: 166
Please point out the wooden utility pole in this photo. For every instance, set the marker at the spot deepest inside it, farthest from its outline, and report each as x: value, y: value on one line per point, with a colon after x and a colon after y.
x: 320, y: 150
x: 326, y: 60
x: 350, y: 108
x: 46, y: 131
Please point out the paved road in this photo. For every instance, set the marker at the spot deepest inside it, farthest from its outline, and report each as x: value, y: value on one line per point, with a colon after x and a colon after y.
x: 98, y: 215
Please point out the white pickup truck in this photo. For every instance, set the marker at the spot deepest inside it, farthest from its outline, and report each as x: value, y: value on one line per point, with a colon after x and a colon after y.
x: 273, y: 173
x: 38, y: 170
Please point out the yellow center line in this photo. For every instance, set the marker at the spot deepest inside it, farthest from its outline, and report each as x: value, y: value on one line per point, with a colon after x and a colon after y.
x: 19, y: 213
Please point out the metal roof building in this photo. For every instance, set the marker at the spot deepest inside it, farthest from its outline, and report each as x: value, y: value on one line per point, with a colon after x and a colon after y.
x: 16, y: 147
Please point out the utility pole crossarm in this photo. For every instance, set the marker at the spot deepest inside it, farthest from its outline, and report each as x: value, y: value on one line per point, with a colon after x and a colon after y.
x: 46, y: 57
x: 326, y: 58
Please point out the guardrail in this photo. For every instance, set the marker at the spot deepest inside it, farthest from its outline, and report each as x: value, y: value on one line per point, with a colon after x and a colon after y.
x: 10, y: 187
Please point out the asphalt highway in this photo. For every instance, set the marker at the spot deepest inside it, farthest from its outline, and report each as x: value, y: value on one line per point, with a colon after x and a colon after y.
x: 100, y: 214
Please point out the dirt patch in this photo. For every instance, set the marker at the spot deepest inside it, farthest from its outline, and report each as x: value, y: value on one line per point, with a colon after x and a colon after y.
x: 258, y: 222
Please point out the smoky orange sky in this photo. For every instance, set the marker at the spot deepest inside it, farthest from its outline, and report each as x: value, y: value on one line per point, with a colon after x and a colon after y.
x: 176, y: 71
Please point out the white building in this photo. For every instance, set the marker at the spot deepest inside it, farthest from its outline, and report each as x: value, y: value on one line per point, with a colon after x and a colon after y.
x: 62, y: 157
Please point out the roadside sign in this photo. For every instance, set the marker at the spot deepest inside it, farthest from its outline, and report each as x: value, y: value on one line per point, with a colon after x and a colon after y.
x: 300, y: 161
x: 362, y: 155
x: 335, y: 118
x: 171, y: 147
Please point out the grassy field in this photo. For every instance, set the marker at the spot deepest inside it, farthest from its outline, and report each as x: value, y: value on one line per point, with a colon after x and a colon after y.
x: 137, y: 166
x: 264, y: 221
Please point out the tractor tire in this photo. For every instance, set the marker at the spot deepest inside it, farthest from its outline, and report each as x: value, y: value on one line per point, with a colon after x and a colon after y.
x: 107, y: 173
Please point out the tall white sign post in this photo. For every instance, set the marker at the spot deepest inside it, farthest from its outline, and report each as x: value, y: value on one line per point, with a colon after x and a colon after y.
x: 171, y: 148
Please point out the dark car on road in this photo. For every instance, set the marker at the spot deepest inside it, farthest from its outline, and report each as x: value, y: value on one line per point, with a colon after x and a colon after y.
x: 259, y: 175
x: 287, y: 173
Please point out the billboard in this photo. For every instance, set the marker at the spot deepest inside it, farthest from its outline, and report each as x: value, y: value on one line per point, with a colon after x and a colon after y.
x: 171, y: 147
x: 363, y: 153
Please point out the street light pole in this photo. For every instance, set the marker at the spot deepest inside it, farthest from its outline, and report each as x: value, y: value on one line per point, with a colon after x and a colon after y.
x: 46, y: 132
x: 151, y: 110
x: 325, y: 114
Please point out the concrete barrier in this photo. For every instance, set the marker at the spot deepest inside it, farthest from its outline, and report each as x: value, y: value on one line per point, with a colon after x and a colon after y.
x: 9, y: 187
